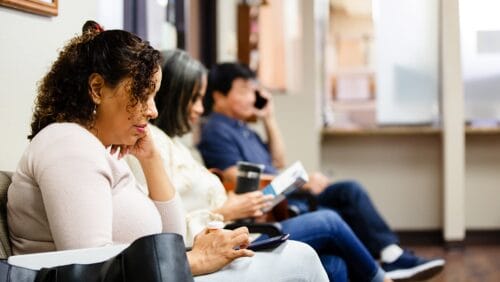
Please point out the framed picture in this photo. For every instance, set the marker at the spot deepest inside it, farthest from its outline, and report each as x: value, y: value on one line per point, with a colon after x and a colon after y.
x: 40, y: 7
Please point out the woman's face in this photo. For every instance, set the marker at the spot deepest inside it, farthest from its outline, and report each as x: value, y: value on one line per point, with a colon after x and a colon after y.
x: 195, y: 107
x: 117, y: 121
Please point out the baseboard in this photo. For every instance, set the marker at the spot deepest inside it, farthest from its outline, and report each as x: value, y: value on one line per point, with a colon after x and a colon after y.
x: 420, y: 237
x: 435, y: 237
x: 482, y: 237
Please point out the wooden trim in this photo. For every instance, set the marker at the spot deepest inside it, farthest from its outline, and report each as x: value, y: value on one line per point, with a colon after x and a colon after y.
x: 454, y: 245
x: 403, y: 130
x: 44, y: 8
x: 244, y: 47
x: 482, y: 130
x: 389, y: 130
x: 482, y: 237
x: 435, y: 237
x: 424, y: 237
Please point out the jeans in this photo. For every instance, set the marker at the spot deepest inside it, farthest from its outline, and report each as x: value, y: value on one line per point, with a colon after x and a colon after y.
x: 351, y: 201
x: 336, y: 245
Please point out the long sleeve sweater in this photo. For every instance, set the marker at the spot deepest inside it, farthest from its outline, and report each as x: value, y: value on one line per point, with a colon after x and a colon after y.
x: 200, y: 190
x: 69, y: 192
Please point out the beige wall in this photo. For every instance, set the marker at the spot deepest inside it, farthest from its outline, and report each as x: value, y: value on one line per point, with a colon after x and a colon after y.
x: 29, y: 44
x: 482, y: 164
x: 402, y: 173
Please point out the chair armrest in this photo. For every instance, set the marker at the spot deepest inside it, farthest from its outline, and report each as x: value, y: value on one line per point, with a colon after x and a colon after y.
x: 79, y: 256
x: 270, y: 228
x: 219, y: 173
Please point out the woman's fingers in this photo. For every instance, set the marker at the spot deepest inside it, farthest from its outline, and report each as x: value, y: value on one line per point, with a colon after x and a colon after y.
x: 124, y: 150
x: 263, y: 201
x: 255, y: 202
x: 257, y: 213
x: 239, y: 236
x: 240, y: 230
x: 240, y: 239
x: 258, y: 198
x: 242, y: 253
x: 254, y: 194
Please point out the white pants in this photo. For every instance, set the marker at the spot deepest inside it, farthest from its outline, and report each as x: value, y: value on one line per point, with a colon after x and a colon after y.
x: 292, y: 261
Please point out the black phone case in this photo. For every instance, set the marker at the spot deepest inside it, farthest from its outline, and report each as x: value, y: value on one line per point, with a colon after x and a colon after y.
x: 260, y: 102
x: 269, y: 243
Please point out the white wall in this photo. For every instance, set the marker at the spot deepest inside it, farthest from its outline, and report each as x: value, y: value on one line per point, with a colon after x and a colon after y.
x: 156, y: 17
x: 29, y: 43
x: 110, y: 14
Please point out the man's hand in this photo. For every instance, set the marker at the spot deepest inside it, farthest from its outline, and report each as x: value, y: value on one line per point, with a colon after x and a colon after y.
x: 268, y: 110
x: 317, y: 183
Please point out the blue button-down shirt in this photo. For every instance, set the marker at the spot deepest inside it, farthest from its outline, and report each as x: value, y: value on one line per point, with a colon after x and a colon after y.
x: 225, y: 141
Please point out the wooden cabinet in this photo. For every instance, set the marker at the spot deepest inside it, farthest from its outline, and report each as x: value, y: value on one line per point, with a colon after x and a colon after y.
x: 248, y: 35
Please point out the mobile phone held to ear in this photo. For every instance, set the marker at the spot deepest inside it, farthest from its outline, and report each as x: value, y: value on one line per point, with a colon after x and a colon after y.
x: 260, y: 102
x: 269, y: 243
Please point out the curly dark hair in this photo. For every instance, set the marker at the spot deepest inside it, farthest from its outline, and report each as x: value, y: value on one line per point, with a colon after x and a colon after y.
x: 64, y: 93
x: 180, y: 86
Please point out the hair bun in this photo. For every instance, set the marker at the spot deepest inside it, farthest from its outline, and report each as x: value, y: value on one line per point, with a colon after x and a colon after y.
x: 92, y: 27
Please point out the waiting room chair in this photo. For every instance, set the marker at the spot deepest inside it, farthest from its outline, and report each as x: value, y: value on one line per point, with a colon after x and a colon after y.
x: 49, y: 259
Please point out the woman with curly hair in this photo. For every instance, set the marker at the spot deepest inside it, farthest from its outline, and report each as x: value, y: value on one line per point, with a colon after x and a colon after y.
x: 72, y: 190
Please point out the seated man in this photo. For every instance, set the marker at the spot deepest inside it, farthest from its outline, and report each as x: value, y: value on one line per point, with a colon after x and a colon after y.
x: 226, y: 139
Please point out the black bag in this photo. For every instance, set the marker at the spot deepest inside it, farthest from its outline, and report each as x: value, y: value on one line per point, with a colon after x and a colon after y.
x: 155, y: 258
x: 10, y: 273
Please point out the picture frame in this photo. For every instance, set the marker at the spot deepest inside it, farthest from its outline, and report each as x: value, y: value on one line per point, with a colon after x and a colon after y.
x: 40, y: 7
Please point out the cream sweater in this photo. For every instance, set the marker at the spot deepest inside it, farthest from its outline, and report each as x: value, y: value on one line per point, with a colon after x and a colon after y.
x: 200, y: 190
x: 69, y: 192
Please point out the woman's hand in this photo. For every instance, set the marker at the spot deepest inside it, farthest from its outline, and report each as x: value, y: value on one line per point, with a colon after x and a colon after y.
x: 215, y: 248
x: 143, y: 148
x: 246, y: 205
x: 122, y: 149
x: 159, y: 186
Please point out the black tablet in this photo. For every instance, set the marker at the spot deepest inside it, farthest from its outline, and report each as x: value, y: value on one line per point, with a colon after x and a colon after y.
x: 269, y: 243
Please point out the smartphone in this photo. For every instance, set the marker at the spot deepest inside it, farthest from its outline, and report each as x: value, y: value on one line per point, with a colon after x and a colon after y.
x: 260, y: 102
x: 269, y: 243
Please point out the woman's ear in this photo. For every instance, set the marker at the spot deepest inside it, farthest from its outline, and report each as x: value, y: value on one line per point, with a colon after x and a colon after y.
x: 96, y: 83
